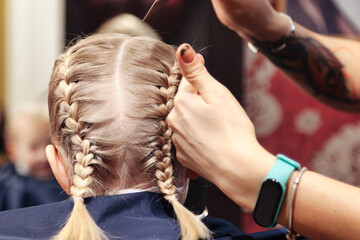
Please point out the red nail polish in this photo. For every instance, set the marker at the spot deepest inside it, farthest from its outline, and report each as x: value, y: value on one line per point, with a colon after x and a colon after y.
x: 187, y: 54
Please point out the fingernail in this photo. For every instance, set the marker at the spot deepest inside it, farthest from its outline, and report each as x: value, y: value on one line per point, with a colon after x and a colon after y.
x: 187, y: 54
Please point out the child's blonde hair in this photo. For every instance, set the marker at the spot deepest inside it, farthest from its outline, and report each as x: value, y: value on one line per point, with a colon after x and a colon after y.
x: 109, y: 96
x: 127, y: 23
x: 31, y: 113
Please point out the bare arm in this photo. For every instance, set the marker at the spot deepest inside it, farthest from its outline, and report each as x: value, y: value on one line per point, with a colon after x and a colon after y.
x: 326, y: 67
x: 325, y: 208
x: 215, y: 138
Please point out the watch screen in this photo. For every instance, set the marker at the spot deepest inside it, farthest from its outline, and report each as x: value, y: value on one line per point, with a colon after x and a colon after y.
x: 268, y: 201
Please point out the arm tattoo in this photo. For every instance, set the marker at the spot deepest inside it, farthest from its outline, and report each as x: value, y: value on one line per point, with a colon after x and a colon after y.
x: 312, y: 64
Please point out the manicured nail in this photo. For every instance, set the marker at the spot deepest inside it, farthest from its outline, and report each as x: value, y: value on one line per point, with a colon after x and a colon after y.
x: 187, y: 54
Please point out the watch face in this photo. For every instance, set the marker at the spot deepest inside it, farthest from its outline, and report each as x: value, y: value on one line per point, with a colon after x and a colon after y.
x: 268, y: 203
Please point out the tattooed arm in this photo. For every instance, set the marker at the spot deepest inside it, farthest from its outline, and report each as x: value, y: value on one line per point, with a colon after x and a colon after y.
x: 230, y: 157
x: 326, y: 67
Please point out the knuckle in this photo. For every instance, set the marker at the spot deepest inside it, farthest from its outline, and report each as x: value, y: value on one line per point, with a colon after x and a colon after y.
x: 171, y: 121
x: 195, y: 72
x: 180, y: 157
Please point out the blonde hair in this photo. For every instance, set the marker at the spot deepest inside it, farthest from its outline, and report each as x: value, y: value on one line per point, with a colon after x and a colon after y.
x: 127, y: 23
x: 29, y: 114
x: 109, y: 96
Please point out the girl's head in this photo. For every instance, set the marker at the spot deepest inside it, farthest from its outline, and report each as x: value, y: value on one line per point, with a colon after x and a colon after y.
x: 109, y: 96
x: 27, y: 134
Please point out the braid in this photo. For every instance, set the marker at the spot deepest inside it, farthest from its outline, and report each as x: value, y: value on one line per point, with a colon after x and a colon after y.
x: 191, y: 226
x: 109, y: 97
x: 82, y: 171
x: 164, y: 172
x: 82, y: 179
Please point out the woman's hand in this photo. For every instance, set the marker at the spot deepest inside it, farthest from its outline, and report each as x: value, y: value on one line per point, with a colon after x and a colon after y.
x: 252, y: 19
x: 213, y: 135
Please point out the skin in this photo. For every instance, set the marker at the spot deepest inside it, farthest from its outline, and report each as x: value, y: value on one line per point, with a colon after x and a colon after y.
x: 326, y: 59
x: 230, y: 156
x: 235, y: 15
x: 26, y: 146
x: 222, y: 147
x: 323, y: 67
x: 58, y: 168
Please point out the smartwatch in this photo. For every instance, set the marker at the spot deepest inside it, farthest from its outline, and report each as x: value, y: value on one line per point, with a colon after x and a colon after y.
x: 273, y: 190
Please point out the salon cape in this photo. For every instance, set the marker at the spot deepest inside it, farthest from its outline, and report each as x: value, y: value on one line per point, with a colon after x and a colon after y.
x: 18, y: 191
x: 142, y: 215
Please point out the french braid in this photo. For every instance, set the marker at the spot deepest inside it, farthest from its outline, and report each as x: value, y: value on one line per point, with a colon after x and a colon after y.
x: 109, y: 96
x: 162, y: 155
x: 83, y: 162
x: 191, y: 227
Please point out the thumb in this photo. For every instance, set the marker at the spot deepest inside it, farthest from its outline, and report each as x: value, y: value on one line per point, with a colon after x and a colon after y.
x: 193, y: 69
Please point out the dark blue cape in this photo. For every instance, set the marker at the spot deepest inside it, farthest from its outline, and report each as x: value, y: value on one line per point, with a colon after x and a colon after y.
x: 142, y: 215
x: 17, y: 191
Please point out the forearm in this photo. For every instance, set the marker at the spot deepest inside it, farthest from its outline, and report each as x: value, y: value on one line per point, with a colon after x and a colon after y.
x: 324, y: 208
x: 325, y: 67
x: 222, y: 147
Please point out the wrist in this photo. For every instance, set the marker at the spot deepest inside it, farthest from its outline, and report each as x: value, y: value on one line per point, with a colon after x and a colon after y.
x: 273, y: 191
x: 243, y: 180
x: 276, y: 27
x: 283, y: 214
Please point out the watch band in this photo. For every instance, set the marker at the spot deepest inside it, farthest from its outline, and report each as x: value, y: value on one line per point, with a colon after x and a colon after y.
x: 283, y: 169
x: 273, y: 191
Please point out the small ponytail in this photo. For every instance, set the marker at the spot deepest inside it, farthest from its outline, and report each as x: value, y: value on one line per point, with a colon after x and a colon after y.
x: 80, y: 225
x: 190, y: 225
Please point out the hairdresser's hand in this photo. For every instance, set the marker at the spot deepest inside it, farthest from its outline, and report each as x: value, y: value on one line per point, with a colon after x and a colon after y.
x: 213, y: 135
x: 252, y: 18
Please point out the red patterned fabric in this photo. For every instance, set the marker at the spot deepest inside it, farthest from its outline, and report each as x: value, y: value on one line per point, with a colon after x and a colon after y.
x: 291, y: 122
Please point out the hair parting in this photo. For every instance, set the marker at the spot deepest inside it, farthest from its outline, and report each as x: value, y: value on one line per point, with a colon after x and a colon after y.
x: 109, y: 97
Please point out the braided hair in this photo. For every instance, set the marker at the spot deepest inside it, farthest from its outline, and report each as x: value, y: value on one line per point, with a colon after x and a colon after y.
x: 109, y: 96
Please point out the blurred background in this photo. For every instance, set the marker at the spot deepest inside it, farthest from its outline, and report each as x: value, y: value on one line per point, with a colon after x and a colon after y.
x: 34, y: 32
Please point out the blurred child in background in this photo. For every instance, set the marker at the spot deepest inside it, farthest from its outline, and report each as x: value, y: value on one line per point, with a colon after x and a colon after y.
x: 27, y: 180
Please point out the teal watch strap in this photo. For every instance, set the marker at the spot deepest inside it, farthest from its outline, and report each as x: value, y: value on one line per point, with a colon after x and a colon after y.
x: 273, y: 191
x: 282, y: 170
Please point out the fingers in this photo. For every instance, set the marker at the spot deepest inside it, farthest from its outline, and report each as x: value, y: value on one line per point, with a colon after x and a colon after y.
x: 181, y: 155
x: 194, y: 71
x: 184, y: 84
